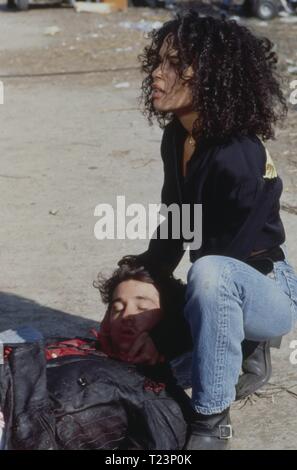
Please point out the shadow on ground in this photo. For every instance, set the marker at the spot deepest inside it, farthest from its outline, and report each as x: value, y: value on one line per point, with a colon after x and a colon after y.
x: 17, y: 311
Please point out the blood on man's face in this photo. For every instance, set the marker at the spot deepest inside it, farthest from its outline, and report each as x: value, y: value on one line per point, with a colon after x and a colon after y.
x: 135, y: 308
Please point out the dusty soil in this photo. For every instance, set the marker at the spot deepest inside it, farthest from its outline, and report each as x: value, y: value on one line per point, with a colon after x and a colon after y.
x: 71, y: 140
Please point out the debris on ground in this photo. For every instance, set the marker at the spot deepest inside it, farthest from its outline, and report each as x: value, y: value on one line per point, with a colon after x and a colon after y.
x: 53, y: 211
x: 292, y: 69
x: 51, y: 31
x: 102, y: 7
x: 122, y: 85
x: 142, y: 25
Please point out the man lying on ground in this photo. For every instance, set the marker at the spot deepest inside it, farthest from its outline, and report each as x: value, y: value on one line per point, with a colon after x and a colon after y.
x: 140, y: 306
x: 68, y: 394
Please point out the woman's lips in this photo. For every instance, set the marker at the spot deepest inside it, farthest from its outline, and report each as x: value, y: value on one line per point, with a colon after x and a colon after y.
x: 157, y: 93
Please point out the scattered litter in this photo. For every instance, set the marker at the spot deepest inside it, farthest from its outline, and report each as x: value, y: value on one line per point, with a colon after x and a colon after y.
x: 141, y: 25
x: 270, y: 391
x: 235, y: 17
x: 53, y: 212
x: 89, y: 7
x: 292, y: 69
x: 78, y: 38
x: 72, y: 48
x: 122, y: 85
x: 290, y: 61
x: 51, y: 31
x: 289, y: 208
x: 283, y: 13
x: 289, y: 19
x: 152, y: 15
x: 94, y: 35
x: 101, y: 25
x: 123, y: 49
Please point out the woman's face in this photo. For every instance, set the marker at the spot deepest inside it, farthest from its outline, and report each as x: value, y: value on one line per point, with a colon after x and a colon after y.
x: 170, y: 93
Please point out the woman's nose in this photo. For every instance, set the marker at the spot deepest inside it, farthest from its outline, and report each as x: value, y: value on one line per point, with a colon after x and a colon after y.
x: 157, y: 72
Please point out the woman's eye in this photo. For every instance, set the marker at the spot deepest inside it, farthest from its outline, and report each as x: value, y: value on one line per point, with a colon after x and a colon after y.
x: 173, y: 61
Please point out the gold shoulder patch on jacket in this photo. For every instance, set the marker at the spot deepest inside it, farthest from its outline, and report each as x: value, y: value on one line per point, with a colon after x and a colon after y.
x: 270, y: 170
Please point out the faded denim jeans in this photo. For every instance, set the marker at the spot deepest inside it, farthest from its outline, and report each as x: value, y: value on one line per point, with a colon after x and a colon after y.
x: 228, y: 301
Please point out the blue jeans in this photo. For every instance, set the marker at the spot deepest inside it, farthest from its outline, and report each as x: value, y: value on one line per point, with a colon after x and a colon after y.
x: 227, y: 301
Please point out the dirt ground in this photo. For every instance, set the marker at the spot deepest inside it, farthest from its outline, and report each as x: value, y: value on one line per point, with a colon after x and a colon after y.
x: 72, y: 139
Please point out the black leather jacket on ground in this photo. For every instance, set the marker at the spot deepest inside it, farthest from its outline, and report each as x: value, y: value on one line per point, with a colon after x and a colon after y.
x: 88, y: 402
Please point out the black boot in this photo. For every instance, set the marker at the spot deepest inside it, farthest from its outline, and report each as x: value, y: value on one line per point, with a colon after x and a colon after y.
x: 210, y: 432
x: 256, y: 368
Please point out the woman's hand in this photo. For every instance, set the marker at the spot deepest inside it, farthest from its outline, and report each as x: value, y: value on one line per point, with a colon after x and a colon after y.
x: 131, y: 260
x: 144, y: 351
x: 104, y: 335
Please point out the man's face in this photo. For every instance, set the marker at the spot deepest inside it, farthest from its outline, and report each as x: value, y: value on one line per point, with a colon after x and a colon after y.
x: 171, y: 94
x: 135, y: 308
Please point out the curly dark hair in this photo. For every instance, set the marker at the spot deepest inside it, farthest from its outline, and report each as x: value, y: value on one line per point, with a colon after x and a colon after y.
x: 171, y: 290
x: 236, y: 88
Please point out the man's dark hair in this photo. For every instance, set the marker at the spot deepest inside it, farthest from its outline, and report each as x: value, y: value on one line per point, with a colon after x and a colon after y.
x: 236, y: 89
x: 171, y: 290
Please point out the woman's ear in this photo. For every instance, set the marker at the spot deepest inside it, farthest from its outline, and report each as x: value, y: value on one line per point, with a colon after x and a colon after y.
x: 188, y: 73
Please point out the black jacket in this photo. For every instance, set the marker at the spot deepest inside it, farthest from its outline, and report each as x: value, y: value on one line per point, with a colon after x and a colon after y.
x: 237, y: 185
x: 89, y: 402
